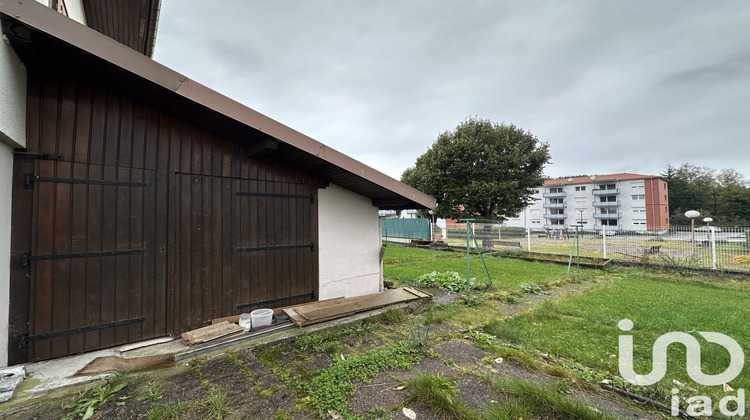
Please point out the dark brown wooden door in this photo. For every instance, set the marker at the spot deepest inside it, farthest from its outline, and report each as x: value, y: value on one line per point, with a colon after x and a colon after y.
x: 97, y: 258
x: 238, y: 243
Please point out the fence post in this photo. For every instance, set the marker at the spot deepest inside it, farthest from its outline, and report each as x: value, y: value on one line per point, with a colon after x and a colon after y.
x: 528, y: 239
x: 604, y: 242
x: 713, y: 248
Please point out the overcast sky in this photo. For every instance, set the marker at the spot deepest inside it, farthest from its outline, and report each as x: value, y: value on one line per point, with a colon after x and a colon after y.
x: 626, y: 86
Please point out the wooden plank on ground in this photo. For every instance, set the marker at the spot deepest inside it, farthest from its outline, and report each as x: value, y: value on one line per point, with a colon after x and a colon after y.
x: 318, y: 302
x: 211, y: 332
x: 294, y: 316
x: 418, y: 292
x: 236, y: 318
x: 327, y: 310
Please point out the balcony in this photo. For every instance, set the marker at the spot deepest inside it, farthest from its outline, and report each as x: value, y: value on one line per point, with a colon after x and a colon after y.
x: 607, y: 216
x: 606, y: 203
x: 556, y: 216
x: 606, y: 192
x: 555, y: 205
x: 555, y: 195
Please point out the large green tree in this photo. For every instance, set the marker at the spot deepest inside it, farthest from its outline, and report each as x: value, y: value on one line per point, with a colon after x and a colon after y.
x: 480, y: 170
x: 722, y: 196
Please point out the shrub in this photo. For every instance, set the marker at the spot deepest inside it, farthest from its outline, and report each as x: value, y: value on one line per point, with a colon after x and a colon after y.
x: 449, y: 281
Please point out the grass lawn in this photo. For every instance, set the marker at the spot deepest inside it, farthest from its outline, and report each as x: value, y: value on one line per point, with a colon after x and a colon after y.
x: 584, y: 326
x: 402, y: 263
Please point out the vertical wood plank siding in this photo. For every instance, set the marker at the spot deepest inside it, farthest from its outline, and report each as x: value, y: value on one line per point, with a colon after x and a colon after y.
x: 188, y: 218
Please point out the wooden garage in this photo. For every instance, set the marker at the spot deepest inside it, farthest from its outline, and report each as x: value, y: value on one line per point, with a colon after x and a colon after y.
x: 131, y: 224
x: 145, y: 204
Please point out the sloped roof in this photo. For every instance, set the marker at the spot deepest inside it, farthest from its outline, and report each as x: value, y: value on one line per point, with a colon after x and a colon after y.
x: 598, y: 178
x: 35, y: 29
x: 129, y: 22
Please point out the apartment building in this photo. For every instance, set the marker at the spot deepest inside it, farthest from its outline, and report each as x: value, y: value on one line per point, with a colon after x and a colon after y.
x: 613, y: 202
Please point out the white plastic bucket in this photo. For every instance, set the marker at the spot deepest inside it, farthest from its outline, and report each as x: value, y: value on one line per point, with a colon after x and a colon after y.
x: 261, y: 317
x: 245, y: 321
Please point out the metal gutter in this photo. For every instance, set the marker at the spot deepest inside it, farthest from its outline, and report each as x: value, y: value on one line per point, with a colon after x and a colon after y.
x: 47, y: 21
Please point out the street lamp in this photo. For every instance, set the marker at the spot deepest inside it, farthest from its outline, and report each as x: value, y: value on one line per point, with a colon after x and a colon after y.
x: 692, y: 214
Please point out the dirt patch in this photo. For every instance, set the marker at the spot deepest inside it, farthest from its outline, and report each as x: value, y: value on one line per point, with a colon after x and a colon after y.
x: 381, y: 392
x: 461, y: 353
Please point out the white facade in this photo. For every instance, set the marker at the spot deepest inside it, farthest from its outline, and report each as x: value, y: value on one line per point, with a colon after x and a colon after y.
x: 12, y: 136
x: 349, y: 238
x: 610, y: 204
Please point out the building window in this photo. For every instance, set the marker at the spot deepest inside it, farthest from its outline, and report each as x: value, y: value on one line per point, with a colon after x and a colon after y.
x: 581, y: 200
x: 583, y: 188
x: 609, y: 222
x: 637, y: 186
x: 640, y: 210
x: 607, y: 186
x: 666, y: 209
x: 536, y: 222
x: 638, y: 196
x: 556, y: 190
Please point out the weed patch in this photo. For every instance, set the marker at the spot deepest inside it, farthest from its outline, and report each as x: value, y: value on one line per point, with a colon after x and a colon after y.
x: 330, y: 389
x: 86, y: 404
x: 524, y: 399
x: 325, y: 341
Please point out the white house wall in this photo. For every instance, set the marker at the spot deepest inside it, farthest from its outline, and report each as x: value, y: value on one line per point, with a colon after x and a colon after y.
x: 75, y: 11
x: 12, y: 136
x: 349, y: 237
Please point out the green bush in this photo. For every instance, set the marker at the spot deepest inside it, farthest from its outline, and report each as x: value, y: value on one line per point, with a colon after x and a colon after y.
x: 449, y: 281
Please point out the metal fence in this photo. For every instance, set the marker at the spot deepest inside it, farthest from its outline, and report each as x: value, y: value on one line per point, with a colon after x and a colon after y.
x: 719, y: 248
x: 405, y: 228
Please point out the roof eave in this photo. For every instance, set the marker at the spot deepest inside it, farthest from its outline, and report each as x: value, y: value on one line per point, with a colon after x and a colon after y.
x: 49, y: 22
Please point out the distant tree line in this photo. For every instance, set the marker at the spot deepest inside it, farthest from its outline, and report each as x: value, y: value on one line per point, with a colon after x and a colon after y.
x: 723, y: 196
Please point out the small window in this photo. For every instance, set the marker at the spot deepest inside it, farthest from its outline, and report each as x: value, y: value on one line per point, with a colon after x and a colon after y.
x: 536, y: 222
x: 638, y: 196
x: 583, y: 188
x: 581, y: 200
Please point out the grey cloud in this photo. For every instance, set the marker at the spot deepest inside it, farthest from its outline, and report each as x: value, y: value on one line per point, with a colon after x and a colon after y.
x: 601, y: 82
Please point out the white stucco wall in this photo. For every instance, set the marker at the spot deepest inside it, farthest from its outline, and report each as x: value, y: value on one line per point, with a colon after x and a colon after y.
x: 75, y: 11
x: 349, y: 237
x: 12, y: 136
x: 12, y: 97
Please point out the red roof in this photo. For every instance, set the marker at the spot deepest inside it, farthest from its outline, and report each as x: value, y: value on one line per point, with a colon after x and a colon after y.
x: 597, y: 178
